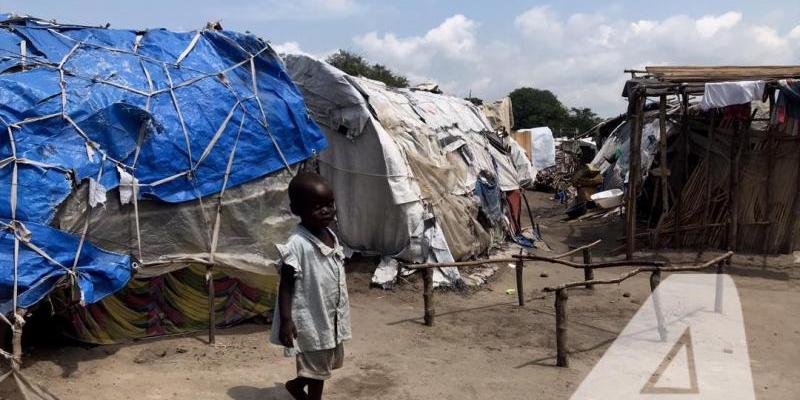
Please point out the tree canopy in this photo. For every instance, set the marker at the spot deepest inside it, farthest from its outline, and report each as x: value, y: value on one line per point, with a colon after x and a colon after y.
x: 536, y: 107
x: 354, y: 64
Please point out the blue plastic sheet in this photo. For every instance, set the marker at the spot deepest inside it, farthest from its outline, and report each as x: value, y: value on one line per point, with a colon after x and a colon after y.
x: 165, y: 107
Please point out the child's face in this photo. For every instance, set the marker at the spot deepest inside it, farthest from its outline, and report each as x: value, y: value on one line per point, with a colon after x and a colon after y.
x: 319, y: 210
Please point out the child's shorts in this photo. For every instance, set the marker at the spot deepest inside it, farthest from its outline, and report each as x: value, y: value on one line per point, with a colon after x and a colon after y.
x: 319, y: 364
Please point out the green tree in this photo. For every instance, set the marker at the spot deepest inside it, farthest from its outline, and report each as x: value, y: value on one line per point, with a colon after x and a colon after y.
x: 535, y: 107
x: 354, y: 64
x: 581, y: 120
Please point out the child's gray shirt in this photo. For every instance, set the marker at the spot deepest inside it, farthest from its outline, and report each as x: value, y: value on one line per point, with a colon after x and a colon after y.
x: 320, y: 305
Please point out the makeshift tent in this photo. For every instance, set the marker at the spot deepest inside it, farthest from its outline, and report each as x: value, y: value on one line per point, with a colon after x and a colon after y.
x: 405, y: 165
x: 142, y: 153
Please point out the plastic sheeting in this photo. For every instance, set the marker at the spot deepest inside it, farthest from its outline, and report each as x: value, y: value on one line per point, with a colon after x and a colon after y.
x: 175, y: 117
x: 403, y: 165
x: 612, y: 160
x: 543, y: 148
x: 500, y: 114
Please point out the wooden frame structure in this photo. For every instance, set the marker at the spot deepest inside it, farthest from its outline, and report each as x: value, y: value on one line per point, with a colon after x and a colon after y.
x: 561, y: 291
x: 683, y: 82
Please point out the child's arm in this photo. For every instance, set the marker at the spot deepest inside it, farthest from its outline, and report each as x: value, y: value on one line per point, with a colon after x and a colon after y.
x: 285, y: 293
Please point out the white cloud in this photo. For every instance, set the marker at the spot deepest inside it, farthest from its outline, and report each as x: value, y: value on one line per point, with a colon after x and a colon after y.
x: 580, y: 57
x: 710, y: 24
x: 288, y: 48
x: 453, y: 39
x: 538, y: 21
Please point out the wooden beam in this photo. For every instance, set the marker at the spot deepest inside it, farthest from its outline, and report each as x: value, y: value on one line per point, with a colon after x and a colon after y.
x: 562, y: 359
x: 427, y: 296
x: 588, y: 273
x: 636, y: 114
x: 664, y: 177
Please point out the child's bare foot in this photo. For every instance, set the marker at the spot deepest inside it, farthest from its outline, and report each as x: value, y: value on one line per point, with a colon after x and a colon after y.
x: 295, y: 388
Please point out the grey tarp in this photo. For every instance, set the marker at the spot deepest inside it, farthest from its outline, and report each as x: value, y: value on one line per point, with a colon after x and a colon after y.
x: 404, y: 167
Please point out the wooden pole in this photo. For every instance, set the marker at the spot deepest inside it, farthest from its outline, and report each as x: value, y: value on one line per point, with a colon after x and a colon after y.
x: 588, y: 273
x: 655, y: 280
x: 636, y: 113
x: 561, y: 328
x: 520, y: 292
x: 427, y: 296
x: 663, y: 166
x: 718, y: 294
x: 212, y: 314
x: 16, y: 338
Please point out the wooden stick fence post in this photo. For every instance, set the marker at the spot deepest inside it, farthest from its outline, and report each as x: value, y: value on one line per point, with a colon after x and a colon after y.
x: 635, y: 115
x: 588, y: 272
x: 655, y: 280
x: 520, y: 292
x: 718, y: 294
x: 427, y: 295
x: 561, y: 328
x: 16, y: 338
x: 212, y: 314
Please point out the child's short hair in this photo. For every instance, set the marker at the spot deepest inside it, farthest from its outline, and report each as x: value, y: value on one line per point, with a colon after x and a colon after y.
x: 301, y: 185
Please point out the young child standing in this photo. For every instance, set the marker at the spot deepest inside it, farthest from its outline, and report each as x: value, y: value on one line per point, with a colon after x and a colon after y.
x: 312, y: 315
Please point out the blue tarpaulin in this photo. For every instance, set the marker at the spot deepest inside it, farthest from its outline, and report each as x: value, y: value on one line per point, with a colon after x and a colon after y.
x: 180, y: 112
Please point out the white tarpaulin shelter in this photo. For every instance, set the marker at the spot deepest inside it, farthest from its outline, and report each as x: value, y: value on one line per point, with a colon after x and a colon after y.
x: 543, y: 147
x: 403, y: 164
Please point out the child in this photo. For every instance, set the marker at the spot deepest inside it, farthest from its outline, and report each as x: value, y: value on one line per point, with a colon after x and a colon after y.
x: 312, y: 316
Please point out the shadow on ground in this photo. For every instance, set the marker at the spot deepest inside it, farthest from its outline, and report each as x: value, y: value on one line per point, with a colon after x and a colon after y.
x: 277, y: 392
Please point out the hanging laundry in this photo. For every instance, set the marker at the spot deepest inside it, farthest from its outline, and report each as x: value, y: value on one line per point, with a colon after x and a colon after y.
x: 788, y: 102
x: 722, y: 94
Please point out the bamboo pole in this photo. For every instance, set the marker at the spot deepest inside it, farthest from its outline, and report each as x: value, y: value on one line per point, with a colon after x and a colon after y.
x: 427, y: 296
x: 562, y: 359
x: 588, y: 273
x: 520, y: 292
x: 636, y: 112
x: 212, y: 314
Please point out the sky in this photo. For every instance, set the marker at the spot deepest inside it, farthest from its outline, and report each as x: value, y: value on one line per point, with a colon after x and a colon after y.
x: 576, y: 49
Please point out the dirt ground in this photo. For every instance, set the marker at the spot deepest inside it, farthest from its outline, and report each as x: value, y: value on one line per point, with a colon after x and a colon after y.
x: 483, y: 345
